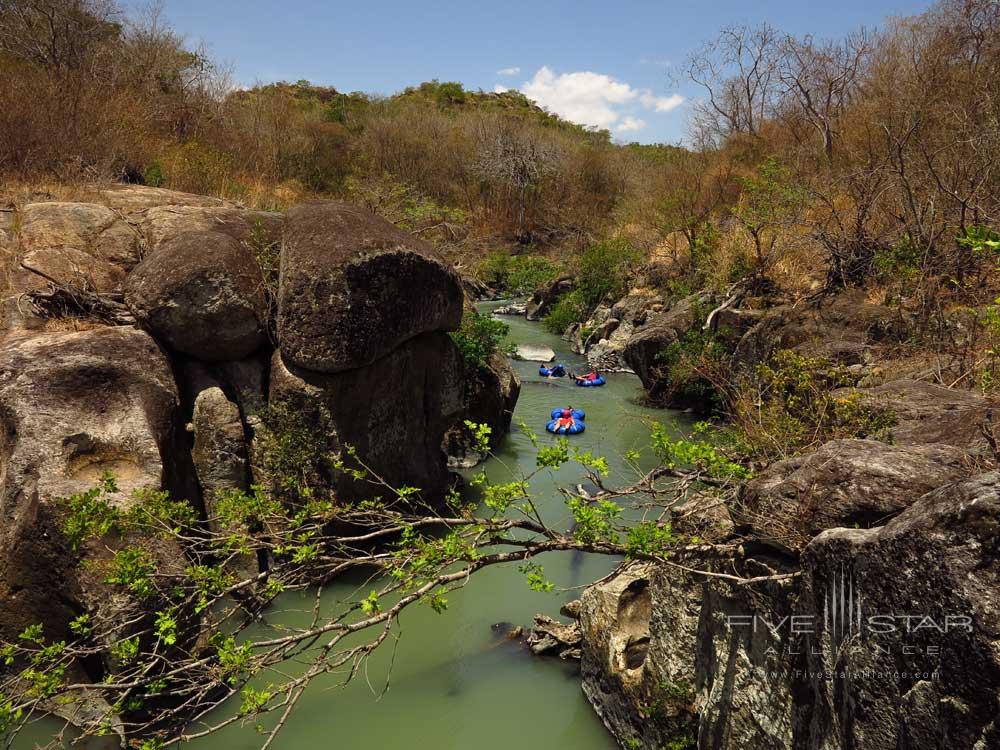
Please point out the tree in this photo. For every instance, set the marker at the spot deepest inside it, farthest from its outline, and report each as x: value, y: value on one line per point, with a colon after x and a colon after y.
x: 158, y: 676
x: 823, y: 78
x: 516, y: 160
x: 769, y: 202
x: 738, y: 71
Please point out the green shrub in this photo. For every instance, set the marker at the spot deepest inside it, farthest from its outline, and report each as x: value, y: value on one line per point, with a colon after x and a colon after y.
x: 604, y: 271
x: 901, y: 261
x: 691, y: 365
x: 516, y: 274
x: 479, y: 337
x: 570, y: 309
x: 789, y: 408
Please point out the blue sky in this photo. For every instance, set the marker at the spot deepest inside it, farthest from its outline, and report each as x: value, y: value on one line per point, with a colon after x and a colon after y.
x: 608, y: 63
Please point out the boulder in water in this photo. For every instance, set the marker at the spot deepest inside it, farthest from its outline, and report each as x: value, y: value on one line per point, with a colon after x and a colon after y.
x: 534, y: 353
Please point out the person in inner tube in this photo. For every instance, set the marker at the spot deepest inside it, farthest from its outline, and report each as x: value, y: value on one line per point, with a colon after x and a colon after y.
x: 565, y: 419
x: 590, y: 377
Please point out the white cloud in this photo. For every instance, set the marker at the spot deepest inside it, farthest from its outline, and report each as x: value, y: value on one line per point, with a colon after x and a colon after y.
x: 508, y: 71
x: 595, y: 99
x: 500, y: 88
x: 661, y: 103
x: 630, y: 123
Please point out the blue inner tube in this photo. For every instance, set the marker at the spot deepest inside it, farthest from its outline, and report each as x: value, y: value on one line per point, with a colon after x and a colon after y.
x: 575, y: 413
x: 591, y: 383
x: 556, y: 371
x: 574, y: 429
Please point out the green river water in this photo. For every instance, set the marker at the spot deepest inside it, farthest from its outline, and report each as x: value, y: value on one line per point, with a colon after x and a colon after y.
x: 448, y: 682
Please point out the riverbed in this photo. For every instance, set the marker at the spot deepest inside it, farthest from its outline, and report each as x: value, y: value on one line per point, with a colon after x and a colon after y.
x: 448, y: 682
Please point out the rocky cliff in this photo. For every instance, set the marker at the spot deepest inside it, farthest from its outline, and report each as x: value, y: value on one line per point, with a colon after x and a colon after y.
x: 873, y: 621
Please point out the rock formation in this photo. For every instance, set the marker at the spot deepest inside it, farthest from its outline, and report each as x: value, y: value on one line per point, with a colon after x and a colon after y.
x: 176, y: 401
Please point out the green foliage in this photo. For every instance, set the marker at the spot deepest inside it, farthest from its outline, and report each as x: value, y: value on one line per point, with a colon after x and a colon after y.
x: 125, y: 650
x: 571, y: 308
x: 295, y: 448
x: 535, y: 576
x: 132, y: 568
x: 691, y: 365
x: 165, y: 627
x: 900, y: 262
x: 210, y: 581
x: 90, y: 513
x: 594, y: 521
x: 648, y: 539
x: 479, y: 337
x: 604, y: 271
x: 792, y: 407
x: 480, y: 434
x: 254, y: 701
x: 768, y: 200
x: 153, y: 175
x: 983, y: 241
x: 235, y: 659
x: 516, y: 274
x: 695, y: 454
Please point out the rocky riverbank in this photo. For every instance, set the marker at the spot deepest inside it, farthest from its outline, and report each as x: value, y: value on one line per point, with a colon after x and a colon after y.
x: 874, y: 618
x: 145, y: 333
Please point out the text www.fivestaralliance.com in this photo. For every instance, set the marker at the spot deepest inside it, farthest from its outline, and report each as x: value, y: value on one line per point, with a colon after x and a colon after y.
x: 867, y: 674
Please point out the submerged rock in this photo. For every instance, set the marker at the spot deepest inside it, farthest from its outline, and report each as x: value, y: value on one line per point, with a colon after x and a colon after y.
x: 354, y: 288
x: 548, y: 636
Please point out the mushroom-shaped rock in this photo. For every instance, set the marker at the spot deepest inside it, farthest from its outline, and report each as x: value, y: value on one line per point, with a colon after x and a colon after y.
x: 203, y: 294
x: 354, y: 287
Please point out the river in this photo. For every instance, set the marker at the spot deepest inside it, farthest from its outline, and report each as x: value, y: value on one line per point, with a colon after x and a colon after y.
x: 453, y: 685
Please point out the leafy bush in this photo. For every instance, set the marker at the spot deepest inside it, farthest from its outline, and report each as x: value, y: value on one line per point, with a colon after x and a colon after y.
x: 692, y: 366
x: 516, y: 274
x: 789, y: 408
x: 570, y: 309
x: 604, y: 270
x: 479, y: 337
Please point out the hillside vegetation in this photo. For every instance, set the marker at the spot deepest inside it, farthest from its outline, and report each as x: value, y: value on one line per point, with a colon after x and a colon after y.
x: 812, y: 164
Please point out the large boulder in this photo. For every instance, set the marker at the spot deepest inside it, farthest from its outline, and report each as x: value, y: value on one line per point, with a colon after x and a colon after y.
x: 133, y: 199
x: 72, y: 407
x: 927, y: 413
x: 259, y: 230
x: 660, y: 329
x: 393, y: 412
x: 670, y: 659
x: 842, y: 329
x: 354, y: 288
x: 83, y: 245
x: 844, y: 483
x: 903, y: 625
x: 203, y: 294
